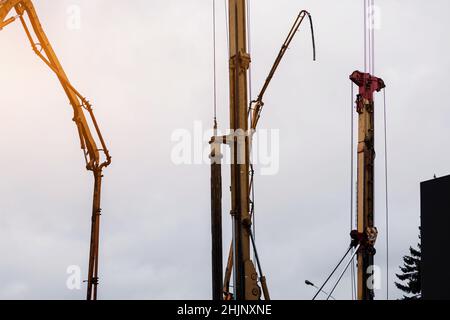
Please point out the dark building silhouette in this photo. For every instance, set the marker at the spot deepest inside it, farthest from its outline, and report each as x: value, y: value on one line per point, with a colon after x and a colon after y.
x: 435, y: 220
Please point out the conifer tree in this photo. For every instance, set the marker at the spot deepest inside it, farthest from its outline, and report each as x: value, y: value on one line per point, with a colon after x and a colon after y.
x: 410, y: 277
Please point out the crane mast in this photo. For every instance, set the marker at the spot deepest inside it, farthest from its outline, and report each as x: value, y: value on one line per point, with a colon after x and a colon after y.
x: 94, y: 161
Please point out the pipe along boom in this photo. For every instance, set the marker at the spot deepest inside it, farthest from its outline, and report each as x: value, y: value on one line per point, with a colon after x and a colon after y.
x: 96, y: 158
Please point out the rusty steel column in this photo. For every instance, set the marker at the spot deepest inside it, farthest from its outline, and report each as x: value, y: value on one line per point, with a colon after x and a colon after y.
x: 216, y: 220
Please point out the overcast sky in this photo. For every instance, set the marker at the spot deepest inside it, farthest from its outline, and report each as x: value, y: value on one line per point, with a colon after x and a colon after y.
x: 146, y: 65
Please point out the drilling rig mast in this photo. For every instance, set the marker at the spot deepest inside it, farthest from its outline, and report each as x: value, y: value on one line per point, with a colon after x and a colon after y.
x: 94, y: 161
x: 363, y: 238
x: 243, y: 122
x: 239, y: 261
x: 245, y: 275
x: 366, y: 232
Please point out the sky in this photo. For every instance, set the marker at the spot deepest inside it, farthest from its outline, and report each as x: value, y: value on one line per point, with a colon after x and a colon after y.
x: 147, y: 68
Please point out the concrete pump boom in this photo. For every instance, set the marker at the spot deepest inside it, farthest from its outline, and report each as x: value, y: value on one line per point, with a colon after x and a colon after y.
x: 258, y: 103
x: 94, y: 162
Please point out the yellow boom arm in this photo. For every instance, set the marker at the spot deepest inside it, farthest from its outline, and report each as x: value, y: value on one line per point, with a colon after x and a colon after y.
x: 45, y: 51
x: 94, y: 162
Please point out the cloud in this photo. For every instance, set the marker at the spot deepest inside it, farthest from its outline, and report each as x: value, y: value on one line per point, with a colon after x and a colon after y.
x: 147, y: 68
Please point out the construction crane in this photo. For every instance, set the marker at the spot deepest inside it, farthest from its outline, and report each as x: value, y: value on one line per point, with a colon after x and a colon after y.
x: 249, y: 284
x: 96, y: 158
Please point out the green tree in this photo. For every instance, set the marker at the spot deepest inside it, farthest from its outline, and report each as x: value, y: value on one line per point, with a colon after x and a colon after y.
x: 410, y: 277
